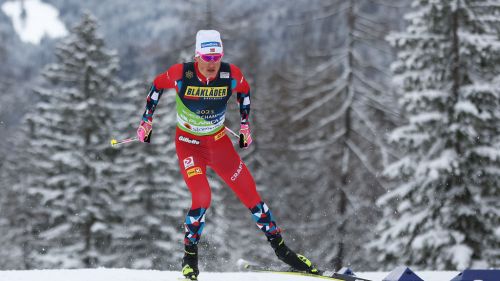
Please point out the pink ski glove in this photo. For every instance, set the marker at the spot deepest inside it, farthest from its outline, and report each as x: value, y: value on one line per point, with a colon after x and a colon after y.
x: 144, y: 131
x: 245, y: 136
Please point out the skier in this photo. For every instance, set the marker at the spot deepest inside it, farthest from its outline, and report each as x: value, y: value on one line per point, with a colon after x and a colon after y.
x: 203, y: 90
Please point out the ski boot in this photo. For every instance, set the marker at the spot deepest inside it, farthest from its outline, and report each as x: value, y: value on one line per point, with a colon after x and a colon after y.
x: 190, y: 262
x: 296, y: 261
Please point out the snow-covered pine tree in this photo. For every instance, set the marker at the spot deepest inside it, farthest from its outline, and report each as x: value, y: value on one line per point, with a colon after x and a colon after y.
x: 12, y: 222
x: 150, y: 183
x: 77, y: 208
x: 444, y: 211
x: 334, y: 100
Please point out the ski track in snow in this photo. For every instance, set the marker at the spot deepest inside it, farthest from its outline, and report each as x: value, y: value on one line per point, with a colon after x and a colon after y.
x: 103, y: 274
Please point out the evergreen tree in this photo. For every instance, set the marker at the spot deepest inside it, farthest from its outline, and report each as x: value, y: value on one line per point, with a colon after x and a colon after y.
x: 11, y: 222
x: 333, y: 98
x: 76, y: 209
x: 444, y: 213
x: 151, y: 186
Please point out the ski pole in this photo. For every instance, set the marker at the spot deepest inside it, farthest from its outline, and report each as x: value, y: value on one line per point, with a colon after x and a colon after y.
x: 115, y: 142
x: 233, y: 133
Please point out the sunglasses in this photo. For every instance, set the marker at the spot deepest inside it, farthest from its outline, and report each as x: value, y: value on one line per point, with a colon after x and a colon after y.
x: 211, y: 57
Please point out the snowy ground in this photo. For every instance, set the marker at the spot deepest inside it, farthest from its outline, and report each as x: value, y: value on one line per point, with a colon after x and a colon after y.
x: 151, y: 275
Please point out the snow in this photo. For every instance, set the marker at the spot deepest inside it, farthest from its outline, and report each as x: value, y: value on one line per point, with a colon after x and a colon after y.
x: 41, y: 20
x: 56, y: 231
x: 488, y: 152
x: 467, y: 107
x: 414, y: 96
x: 433, y: 168
x: 103, y: 274
x: 461, y: 255
x: 99, y: 226
x: 426, y: 117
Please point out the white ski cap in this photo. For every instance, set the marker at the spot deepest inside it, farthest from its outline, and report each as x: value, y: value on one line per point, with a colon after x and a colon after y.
x: 208, y: 42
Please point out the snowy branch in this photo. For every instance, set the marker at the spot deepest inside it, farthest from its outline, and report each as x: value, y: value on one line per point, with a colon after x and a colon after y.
x: 320, y: 17
x: 336, y: 89
x: 373, y: 130
x: 364, y: 160
x: 319, y: 143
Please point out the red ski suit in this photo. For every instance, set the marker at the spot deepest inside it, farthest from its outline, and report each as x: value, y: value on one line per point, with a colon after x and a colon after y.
x: 201, y: 144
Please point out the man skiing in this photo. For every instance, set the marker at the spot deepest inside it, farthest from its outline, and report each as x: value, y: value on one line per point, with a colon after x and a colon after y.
x: 203, y: 90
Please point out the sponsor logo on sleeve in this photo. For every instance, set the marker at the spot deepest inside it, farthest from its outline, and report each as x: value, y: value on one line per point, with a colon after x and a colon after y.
x: 194, y: 171
x: 188, y: 162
